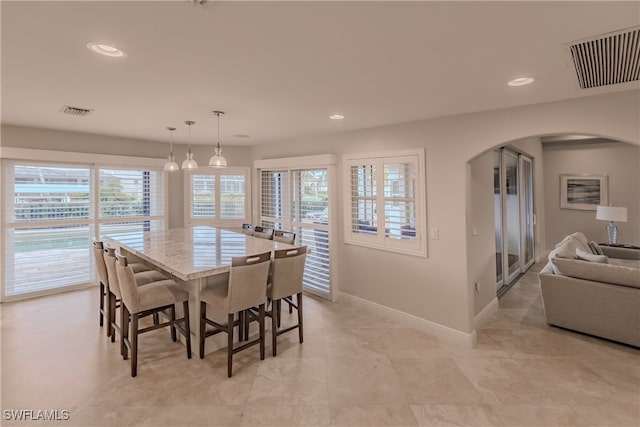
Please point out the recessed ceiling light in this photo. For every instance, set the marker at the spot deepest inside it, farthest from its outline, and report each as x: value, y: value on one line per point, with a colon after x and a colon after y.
x: 105, y: 49
x: 521, y: 81
x: 336, y: 117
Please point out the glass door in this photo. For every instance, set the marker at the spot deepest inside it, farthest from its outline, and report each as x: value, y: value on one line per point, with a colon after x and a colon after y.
x: 497, y: 209
x: 526, y: 204
x: 298, y: 200
x: 510, y: 216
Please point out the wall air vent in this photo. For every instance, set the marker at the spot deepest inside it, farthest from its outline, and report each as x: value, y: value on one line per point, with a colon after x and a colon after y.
x: 607, y: 59
x: 75, y: 111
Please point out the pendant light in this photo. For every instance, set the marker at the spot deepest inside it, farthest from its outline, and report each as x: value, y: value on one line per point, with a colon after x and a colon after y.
x: 171, y: 165
x: 217, y: 161
x: 189, y: 163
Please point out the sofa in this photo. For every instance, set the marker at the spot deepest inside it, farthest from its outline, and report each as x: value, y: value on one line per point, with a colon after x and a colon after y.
x: 593, y: 289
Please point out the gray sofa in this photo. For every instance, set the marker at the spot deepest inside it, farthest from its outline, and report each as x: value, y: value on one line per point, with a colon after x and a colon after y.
x: 595, y: 295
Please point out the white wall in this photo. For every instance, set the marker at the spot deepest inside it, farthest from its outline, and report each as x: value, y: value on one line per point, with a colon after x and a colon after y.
x: 438, y: 288
x: 49, y: 139
x: 617, y: 160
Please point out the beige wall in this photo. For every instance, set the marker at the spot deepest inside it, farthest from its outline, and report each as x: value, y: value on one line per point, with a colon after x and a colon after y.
x: 49, y: 139
x: 617, y: 160
x: 438, y: 288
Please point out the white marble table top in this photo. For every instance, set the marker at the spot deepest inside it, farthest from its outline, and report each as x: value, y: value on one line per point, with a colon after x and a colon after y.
x: 193, y: 252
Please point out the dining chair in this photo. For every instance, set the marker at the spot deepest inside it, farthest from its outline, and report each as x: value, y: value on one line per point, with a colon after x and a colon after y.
x: 246, y: 288
x: 248, y: 229
x: 263, y: 232
x: 284, y: 236
x: 287, y: 272
x: 152, y: 298
x: 143, y: 275
x: 98, y: 247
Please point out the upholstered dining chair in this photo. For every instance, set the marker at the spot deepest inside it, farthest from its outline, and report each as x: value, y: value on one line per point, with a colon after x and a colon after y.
x: 143, y: 275
x: 284, y: 236
x: 246, y: 288
x: 263, y: 232
x: 248, y: 229
x: 98, y: 247
x: 139, y: 301
x: 287, y: 272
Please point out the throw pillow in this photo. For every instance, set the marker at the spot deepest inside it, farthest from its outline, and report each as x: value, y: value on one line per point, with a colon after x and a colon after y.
x: 586, y: 256
x: 595, y: 248
x: 561, y: 252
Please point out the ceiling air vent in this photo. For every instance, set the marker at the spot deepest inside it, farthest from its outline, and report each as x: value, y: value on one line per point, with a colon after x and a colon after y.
x: 75, y: 111
x: 607, y: 59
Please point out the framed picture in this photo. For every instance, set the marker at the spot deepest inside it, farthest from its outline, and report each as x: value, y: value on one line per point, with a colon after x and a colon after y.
x: 584, y: 192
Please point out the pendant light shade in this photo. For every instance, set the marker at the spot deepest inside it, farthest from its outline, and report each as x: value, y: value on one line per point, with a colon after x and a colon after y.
x: 189, y: 163
x: 171, y: 165
x: 217, y: 161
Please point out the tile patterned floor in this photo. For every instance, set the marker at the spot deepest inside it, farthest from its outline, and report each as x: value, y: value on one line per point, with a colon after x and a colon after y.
x: 354, y: 369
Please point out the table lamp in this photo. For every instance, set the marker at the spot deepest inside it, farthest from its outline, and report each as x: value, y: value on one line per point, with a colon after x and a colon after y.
x: 611, y: 213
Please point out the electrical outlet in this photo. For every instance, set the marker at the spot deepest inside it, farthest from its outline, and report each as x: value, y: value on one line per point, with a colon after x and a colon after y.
x: 435, y: 233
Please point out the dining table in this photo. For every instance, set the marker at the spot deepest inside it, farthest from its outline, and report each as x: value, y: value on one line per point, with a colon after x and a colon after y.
x: 195, y: 257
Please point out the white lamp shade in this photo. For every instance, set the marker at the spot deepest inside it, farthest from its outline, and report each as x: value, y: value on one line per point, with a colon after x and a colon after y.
x: 611, y: 213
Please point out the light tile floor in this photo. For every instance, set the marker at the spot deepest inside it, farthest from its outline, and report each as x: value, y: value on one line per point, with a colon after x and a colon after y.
x: 354, y: 369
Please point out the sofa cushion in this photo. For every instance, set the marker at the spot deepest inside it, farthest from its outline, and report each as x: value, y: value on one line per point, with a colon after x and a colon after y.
x: 608, y: 273
x: 634, y: 263
x: 588, y: 256
x: 581, y: 238
x: 571, y: 243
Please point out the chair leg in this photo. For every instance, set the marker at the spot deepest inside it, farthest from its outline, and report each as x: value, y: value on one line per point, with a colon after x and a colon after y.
x: 299, y: 299
x: 261, y: 321
x: 203, y: 316
x: 124, y: 328
x: 290, y: 308
x: 112, y: 316
x: 274, y: 327
x: 241, y: 321
x: 187, y: 329
x: 134, y: 344
x: 279, y: 304
x: 174, y: 336
x: 156, y: 318
x: 102, y: 304
x: 230, y: 344
x: 247, y: 322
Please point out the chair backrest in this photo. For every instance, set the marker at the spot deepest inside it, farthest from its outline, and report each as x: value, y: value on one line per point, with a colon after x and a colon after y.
x: 109, y: 255
x: 287, y: 272
x: 127, y: 283
x: 284, y: 236
x: 263, y: 233
x: 98, y: 247
x: 248, y: 281
x: 248, y: 229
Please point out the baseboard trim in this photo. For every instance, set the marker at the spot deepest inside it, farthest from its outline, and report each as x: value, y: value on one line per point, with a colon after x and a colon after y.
x: 445, y: 333
x: 486, y: 312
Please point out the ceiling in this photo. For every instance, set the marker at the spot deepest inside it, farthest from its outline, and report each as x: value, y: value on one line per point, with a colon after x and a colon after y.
x: 279, y: 69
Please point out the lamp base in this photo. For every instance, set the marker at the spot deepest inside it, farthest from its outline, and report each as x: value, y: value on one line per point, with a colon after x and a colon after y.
x: 612, y: 232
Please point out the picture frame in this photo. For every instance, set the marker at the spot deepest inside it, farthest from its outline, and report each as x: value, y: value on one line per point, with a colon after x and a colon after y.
x: 584, y: 192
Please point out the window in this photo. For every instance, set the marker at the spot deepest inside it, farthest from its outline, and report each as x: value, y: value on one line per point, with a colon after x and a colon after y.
x: 297, y: 194
x: 384, y: 202
x: 54, y: 210
x: 217, y: 197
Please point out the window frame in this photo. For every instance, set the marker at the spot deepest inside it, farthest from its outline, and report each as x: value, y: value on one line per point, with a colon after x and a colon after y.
x: 217, y: 221
x: 12, y: 157
x: 377, y: 239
